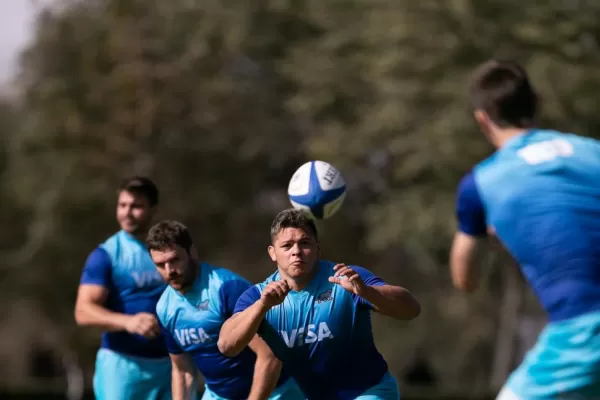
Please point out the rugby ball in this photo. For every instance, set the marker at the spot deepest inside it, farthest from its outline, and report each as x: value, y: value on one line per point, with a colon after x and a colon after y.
x: 318, y: 189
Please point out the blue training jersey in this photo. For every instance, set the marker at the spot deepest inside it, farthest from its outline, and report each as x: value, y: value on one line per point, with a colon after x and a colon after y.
x: 540, y: 193
x: 192, y: 321
x: 123, y: 265
x: 323, y: 335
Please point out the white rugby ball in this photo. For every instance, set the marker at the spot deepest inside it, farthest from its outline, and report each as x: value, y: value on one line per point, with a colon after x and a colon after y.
x: 317, y: 188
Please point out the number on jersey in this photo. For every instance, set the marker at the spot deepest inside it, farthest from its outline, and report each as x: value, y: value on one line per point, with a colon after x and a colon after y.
x: 549, y: 150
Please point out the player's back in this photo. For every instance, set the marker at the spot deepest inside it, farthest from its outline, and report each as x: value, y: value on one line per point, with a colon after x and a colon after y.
x: 541, y: 195
x: 134, y: 287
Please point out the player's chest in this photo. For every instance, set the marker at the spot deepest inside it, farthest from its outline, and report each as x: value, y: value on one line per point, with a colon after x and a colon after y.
x: 135, y: 271
x: 196, y: 324
x: 302, y: 322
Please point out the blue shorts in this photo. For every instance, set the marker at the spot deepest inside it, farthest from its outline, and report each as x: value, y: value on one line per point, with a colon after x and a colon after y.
x: 386, y: 389
x: 289, y: 390
x: 563, y: 364
x: 120, y: 376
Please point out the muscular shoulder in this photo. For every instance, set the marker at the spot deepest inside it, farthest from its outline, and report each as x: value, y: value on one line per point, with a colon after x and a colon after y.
x: 166, y: 305
x: 273, y: 277
x: 219, y: 275
x: 113, y: 244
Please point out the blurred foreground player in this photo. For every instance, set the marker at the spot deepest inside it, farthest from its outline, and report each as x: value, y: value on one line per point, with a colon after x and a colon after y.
x: 539, y: 194
x: 200, y: 297
x: 118, y: 293
x: 316, y: 316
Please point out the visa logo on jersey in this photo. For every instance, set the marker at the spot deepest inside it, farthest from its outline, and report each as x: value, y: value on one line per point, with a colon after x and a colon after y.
x: 187, y: 337
x: 300, y: 336
x: 146, y: 278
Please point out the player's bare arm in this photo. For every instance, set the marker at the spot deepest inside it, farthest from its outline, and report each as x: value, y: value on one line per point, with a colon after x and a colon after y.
x: 393, y: 301
x: 237, y: 332
x: 463, y: 270
x: 266, y: 370
x: 90, y: 311
x: 183, y: 377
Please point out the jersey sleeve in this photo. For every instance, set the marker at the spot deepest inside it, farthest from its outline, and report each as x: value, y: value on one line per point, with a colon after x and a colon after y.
x: 469, y: 208
x: 229, y: 293
x: 97, y: 269
x: 247, y: 298
x: 172, y: 345
x: 370, y: 279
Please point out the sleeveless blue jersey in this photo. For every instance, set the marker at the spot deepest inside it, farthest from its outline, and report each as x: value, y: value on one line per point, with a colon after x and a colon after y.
x: 123, y: 265
x: 323, y: 335
x: 541, y: 195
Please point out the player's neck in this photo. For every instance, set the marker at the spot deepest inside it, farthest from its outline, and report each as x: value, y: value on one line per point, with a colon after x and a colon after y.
x: 139, y: 235
x: 298, y: 284
x: 193, y: 275
x: 502, y: 136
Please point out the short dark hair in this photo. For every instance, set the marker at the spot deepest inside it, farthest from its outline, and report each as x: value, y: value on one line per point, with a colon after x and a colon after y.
x: 501, y: 89
x: 168, y: 234
x: 293, y: 218
x: 141, y: 186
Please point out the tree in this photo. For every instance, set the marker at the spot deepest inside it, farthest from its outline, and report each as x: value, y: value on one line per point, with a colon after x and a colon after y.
x: 220, y: 102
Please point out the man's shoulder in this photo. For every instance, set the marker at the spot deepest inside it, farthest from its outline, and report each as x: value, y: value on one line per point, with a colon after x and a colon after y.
x: 492, y: 160
x: 166, y: 304
x: 113, y: 239
x: 114, y: 244
x: 219, y: 275
x: 275, y: 276
x: 326, y: 269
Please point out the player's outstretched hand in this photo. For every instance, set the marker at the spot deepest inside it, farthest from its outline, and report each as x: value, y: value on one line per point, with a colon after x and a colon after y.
x: 144, y: 324
x: 274, y: 293
x: 349, y: 279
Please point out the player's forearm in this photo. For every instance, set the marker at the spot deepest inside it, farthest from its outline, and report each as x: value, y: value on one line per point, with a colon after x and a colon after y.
x: 90, y: 314
x: 240, y: 329
x: 393, y: 301
x: 183, y: 385
x: 266, y: 375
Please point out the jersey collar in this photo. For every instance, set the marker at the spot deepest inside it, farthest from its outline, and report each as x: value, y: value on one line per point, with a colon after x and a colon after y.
x: 314, y: 282
x: 194, y: 295
x: 517, y: 140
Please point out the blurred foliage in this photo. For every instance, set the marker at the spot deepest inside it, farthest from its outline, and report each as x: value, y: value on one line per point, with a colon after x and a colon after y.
x: 220, y: 101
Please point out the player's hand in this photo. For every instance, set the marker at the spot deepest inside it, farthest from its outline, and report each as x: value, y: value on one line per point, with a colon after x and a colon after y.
x: 349, y: 279
x: 274, y: 293
x: 143, y: 324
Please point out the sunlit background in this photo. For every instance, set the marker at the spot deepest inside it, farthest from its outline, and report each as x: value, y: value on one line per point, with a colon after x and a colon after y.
x: 219, y: 102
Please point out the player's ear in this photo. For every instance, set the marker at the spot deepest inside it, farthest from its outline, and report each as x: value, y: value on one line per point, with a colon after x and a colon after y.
x: 485, y: 124
x: 482, y: 119
x: 271, y: 251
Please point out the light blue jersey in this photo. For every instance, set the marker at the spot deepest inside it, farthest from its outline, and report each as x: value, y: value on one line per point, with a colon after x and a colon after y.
x: 192, y: 322
x: 540, y: 193
x: 323, y: 335
x: 123, y: 266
